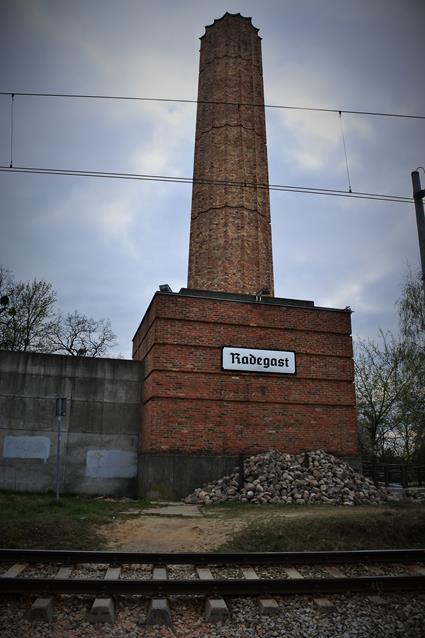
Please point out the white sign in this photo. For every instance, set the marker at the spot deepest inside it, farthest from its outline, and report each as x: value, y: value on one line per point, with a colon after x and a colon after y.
x: 26, y: 447
x: 111, y: 464
x: 253, y: 360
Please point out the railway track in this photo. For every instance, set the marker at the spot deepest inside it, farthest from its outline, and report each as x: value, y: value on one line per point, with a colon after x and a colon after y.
x: 214, y: 576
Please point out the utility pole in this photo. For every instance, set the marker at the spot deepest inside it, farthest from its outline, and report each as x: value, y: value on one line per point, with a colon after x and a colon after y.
x: 418, y: 195
x: 60, y: 413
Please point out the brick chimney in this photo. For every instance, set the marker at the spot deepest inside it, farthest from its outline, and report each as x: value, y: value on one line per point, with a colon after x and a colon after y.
x: 230, y: 234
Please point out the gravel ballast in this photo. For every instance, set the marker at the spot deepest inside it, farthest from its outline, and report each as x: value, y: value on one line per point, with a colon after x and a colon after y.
x: 355, y: 616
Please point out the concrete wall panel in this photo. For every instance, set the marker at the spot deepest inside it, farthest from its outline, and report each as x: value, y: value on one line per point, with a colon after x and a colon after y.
x: 100, y: 430
x: 26, y: 447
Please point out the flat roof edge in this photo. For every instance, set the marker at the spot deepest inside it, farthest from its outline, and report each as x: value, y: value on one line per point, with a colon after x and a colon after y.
x: 282, y: 302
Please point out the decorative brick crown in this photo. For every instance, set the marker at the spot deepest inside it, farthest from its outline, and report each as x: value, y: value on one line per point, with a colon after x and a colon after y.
x: 229, y: 15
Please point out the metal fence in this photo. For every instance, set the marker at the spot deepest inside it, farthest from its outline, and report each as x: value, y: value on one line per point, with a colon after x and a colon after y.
x: 403, y: 474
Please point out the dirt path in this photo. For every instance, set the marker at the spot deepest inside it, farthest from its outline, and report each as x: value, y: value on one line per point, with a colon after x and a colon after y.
x: 152, y: 533
x: 156, y: 534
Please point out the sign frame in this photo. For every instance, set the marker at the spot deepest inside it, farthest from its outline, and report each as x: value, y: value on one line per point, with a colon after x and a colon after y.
x: 263, y: 371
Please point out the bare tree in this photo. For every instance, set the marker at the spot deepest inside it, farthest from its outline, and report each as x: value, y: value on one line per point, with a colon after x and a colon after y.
x: 389, y: 383
x: 29, y: 321
x: 7, y: 311
x: 412, y: 335
x: 78, y: 335
x: 379, y: 386
x: 30, y: 308
x: 412, y: 312
x: 6, y: 280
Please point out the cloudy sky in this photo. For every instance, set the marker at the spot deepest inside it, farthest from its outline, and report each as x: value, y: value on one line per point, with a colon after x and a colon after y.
x: 106, y: 244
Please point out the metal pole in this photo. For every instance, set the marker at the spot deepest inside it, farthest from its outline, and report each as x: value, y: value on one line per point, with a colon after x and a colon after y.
x: 418, y: 195
x: 58, y: 457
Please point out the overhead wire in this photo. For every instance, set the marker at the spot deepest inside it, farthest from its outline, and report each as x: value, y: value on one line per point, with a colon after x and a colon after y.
x: 12, y: 99
x: 209, y: 182
x: 214, y: 102
x: 176, y: 179
x: 345, y: 153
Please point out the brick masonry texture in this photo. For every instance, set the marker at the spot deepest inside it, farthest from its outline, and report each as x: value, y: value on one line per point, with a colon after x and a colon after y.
x: 230, y: 236
x: 192, y: 406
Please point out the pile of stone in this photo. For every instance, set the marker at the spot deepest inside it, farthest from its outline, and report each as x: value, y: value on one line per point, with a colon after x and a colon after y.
x: 415, y: 494
x: 276, y: 477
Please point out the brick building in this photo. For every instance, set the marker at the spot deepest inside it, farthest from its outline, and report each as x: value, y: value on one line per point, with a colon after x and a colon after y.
x: 229, y: 369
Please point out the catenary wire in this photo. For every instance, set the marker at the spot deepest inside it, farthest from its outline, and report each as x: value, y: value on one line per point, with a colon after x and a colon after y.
x: 12, y: 99
x: 345, y: 153
x: 104, y: 174
x: 210, y: 182
x: 188, y: 101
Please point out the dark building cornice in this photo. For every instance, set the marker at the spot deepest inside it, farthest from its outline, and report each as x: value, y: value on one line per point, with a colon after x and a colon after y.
x: 231, y: 15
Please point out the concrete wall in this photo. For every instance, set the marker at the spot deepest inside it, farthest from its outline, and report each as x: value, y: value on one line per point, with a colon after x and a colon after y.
x: 174, y: 476
x: 100, y: 430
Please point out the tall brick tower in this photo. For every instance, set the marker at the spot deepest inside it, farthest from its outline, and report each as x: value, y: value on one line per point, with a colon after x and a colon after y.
x: 228, y: 371
x: 230, y: 236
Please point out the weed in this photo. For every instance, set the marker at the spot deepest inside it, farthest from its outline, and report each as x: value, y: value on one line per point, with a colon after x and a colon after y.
x: 38, y: 521
x: 389, y: 529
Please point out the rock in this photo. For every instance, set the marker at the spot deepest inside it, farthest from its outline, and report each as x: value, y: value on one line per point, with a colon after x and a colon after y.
x: 312, y: 477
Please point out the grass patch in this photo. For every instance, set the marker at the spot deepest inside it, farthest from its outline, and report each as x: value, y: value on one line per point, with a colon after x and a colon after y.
x: 395, y: 528
x: 37, y: 521
x: 229, y: 510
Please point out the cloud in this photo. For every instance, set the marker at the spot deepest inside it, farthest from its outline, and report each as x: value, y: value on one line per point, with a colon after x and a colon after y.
x: 103, y: 215
x: 106, y: 244
x: 315, y: 139
x: 165, y: 151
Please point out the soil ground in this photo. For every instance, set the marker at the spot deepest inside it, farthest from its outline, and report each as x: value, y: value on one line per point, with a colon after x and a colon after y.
x: 216, y: 526
x: 155, y: 534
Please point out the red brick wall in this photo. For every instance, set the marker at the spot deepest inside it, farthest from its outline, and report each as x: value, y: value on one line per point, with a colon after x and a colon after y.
x: 230, y: 234
x: 192, y: 406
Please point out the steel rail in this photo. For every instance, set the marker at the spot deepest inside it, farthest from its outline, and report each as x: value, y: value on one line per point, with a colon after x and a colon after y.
x: 221, y: 558
x: 232, y: 587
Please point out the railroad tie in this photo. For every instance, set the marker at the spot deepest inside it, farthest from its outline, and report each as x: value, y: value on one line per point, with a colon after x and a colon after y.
x: 42, y: 608
x: 291, y: 572
x: 325, y: 605
x: 337, y: 573
x: 417, y: 569
x: 15, y: 570
x: 322, y: 604
x: 103, y: 608
x: 376, y: 599
x: 216, y: 610
x: 159, y: 608
x: 268, y: 606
